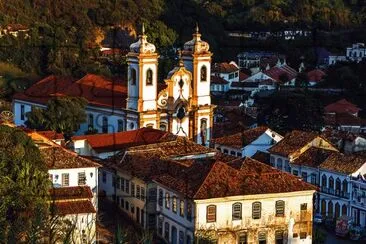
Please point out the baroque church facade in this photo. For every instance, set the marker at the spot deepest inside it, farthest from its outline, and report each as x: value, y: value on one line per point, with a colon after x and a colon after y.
x: 184, y: 106
x: 181, y: 104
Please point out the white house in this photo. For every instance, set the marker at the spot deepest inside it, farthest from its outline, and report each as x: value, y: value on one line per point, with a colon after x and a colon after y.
x: 227, y: 71
x: 179, y: 189
x: 248, y: 142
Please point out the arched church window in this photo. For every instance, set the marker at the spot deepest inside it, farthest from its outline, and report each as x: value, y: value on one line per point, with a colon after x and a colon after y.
x: 151, y: 126
x: 203, y: 131
x: 133, y: 76
x: 132, y: 125
x: 181, y: 113
x: 149, y: 77
x: 203, y: 73
x: 163, y: 126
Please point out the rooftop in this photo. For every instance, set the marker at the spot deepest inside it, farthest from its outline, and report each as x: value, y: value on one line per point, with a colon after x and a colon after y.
x: 342, y: 106
x: 74, y: 207
x: 316, y: 75
x: 292, y: 142
x: 241, y: 139
x: 313, y: 157
x: 215, y: 79
x: 346, y: 164
x: 224, y: 67
x: 125, y: 139
x: 72, y: 192
x: 276, y: 72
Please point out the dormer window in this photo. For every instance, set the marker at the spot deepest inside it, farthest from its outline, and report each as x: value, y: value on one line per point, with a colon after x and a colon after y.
x: 149, y: 77
x: 133, y: 76
x: 203, y: 73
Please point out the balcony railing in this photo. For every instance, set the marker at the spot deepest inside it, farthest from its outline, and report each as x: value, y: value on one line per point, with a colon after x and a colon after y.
x: 333, y: 192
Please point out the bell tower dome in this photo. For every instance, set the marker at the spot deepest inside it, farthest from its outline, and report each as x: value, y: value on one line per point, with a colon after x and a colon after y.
x: 142, y: 75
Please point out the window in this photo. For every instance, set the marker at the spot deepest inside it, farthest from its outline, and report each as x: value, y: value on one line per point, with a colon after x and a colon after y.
x: 133, y: 76
x: 231, y: 76
x: 160, y: 201
x: 236, y: 74
x: 279, y: 163
x: 338, y: 186
x: 174, y: 204
x: 104, y: 177
x: 232, y: 153
x: 105, y: 125
x: 279, y: 236
x: 181, y: 208
x: 345, y: 185
x: 236, y: 212
x: 138, y: 214
x: 304, y: 176
x: 127, y: 186
x: 189, y: 211
x: 243, y: 238
x: 295, y: 172
x: 211, y: 214
x: 118, y: 183
x: 132, y: 208
x: 149, y: 77
x: 90, y: 122
x: 142, y: 196
x: 166, y: 231
x: 122, y: 183
x: 262, y: 238
x: 122, y: 203
x: 81, y: 179
x: 120, y: 125
x: 160, y: 226
x: 256, y: 210
x: 181, y: 237
x: 239, y: 155
x: 324, y: 181
x: 132, y: 189
x: 138, y: 192
x: 163, y: 126
x: 303, y: 206
x: 280, y: 208
x: 203, y: 73
x: 65, y: 179
x: 226, y: 151
x: 167, y: 200
x: 272, y: 161
x: 331, y: 182
x: 22, y: 112
x: 152, y: 194
x: 302, y: 235
x: 132, y: 125
x: 127, y: 204
x: 313, y: 179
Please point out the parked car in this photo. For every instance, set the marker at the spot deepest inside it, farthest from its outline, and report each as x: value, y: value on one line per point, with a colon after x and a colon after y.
x: 318, y: 218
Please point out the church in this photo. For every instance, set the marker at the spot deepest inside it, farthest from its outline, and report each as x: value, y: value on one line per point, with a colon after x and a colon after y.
x: 181, y: 104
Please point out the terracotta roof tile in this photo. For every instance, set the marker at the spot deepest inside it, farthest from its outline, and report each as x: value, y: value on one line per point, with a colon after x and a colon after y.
x: 97, y: 90
x: 124, y: 139
x: 224, y: 68
x: 71, y: 193
x: 52, y: 135
x: 276, y: 72
x: 241, y: 139
x: 342, y: 106
x: 262, y: 157
x: 57, y: 157
x: 74, y: 207
x: 243, y: 76
x: 316, y: 75
x: 346, y: 164
x: 313, y: 157
x: 252, y: 178
x: 293, y: 142
x: 215, y: 79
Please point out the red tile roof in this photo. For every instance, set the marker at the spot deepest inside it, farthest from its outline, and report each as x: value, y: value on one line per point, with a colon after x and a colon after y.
x: 346, y: 164
x: 125, y: 139
x: 243, y: 76
x: 97, y: 90
x: 342, y: 106
x: 251, y: 178
x: 74, y: 207
x: 316, y: 75
x: 215, y: 79
x: 313, y: 157
x: 292, y: 142
x: 224, y: 68
x: 52, y: 135
x: 241, y: 139
x: 276, y: 72
x: 71, y: 193
x: 57, y: 157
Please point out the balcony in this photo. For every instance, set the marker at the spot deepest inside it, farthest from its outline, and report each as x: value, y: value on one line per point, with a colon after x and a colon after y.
x: 333, y: 192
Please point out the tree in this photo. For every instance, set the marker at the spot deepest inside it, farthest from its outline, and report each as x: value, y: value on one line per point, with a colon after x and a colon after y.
x: 24, y: 188
x: 63, y: 114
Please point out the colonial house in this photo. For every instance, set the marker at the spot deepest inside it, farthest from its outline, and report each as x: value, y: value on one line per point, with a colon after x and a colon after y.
x: 227, y: 71
x: 355, y: 53
x: 343, y: 115
x: 73, y: 205
x: 346, y: 141
x: 248, y: 142
x: 219, y: 85
x: 106, y: 145
x: 181, y: 104
x: 316, y: 161
x: 181, y: 189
